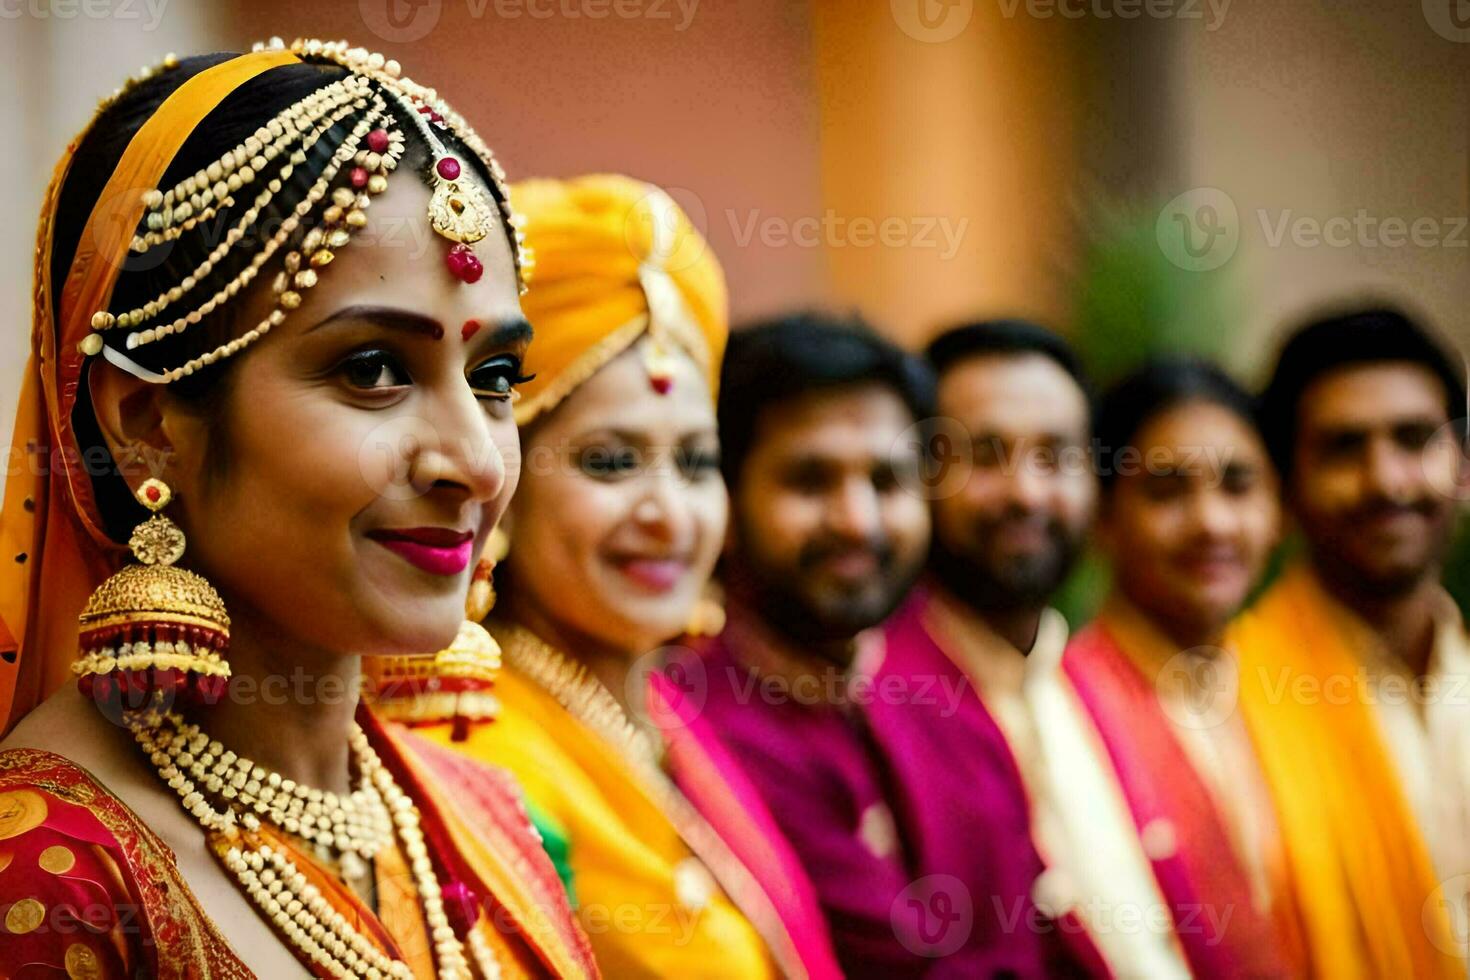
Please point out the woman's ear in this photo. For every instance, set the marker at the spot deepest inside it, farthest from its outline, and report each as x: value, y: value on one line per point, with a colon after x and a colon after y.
x: 146, y: 433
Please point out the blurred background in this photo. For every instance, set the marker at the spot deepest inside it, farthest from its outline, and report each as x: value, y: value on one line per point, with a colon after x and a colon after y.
x: 1135, y: 172
x: 1140, y: 174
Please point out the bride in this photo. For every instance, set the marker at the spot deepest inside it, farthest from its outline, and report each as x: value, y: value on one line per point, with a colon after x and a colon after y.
x: 266, y: 428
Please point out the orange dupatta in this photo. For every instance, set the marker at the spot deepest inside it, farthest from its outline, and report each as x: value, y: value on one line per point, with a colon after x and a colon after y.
x: 1358, y: 867
x: 48, y: 514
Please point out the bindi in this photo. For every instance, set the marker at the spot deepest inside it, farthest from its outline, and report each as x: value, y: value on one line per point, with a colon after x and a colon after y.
x: 470, y: 328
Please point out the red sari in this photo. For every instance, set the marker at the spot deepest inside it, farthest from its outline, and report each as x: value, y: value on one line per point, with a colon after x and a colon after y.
x: 87, y: 889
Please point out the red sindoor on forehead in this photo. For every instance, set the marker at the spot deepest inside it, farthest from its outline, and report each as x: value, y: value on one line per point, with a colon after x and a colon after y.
x: 470, y: 328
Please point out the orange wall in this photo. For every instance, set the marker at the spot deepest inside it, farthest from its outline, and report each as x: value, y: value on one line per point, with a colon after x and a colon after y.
x: 717, y: 106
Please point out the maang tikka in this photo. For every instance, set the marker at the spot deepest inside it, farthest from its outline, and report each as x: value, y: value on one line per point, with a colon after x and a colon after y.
x: 152, y: 631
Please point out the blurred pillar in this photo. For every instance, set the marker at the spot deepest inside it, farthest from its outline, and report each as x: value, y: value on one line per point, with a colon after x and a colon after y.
x: 957, y: 124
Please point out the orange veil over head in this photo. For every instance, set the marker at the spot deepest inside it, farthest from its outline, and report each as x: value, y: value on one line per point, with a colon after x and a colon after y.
x: 53, y: 548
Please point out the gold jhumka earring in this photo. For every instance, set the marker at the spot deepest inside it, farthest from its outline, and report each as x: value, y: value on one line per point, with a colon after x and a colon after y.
x: 458, y: 682
x: 154, y: 628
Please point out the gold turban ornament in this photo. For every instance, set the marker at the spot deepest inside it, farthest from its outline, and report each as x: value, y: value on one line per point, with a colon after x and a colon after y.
x: 615, y: 259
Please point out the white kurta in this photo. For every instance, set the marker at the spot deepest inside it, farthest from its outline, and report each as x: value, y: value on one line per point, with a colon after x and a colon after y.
x: 1095, y: 864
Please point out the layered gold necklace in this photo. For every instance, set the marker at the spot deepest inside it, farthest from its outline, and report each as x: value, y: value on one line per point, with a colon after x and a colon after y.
x: 231, y: 796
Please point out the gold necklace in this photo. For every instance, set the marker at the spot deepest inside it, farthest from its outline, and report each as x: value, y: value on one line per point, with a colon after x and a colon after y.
x: 272, y: 880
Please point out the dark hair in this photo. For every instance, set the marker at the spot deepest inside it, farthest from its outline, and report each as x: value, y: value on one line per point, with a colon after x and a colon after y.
x: 1361, y: 336
x: 144, y: 277
x: 773, y: 361
x: 1154, y: 388
x: 1005, y: 337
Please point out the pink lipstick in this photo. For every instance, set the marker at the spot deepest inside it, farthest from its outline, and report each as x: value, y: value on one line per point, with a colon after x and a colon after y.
x: 654, y: 574
x: 436, y: 550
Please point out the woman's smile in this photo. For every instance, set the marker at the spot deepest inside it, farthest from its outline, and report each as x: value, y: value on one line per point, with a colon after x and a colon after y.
x: 436, y: 550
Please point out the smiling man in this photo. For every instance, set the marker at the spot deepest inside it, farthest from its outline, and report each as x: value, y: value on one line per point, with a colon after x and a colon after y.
x: 1011, y: 803
x: 1357, y: 659
x: 817, y: 415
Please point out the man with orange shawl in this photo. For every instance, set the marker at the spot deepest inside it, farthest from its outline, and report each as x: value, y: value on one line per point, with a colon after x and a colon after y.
x: 1354, y: 665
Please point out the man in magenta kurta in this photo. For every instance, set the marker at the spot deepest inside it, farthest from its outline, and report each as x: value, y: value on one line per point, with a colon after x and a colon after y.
x: 815, y: 418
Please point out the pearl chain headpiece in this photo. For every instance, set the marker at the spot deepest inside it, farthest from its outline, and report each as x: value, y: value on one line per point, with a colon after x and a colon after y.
x: 378, y: 98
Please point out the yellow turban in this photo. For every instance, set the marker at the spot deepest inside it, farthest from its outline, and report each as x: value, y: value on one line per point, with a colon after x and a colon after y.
x: 615, y: 258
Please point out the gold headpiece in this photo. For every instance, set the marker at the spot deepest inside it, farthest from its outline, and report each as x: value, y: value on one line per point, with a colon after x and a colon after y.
x: 263, y: 163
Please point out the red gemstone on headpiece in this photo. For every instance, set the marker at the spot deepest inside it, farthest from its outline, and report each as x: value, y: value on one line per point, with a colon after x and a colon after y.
x: 359, y: 177
x: 378, y: 140
x: 663, y: 384
x: 463, y: 264
x: 448, y: 168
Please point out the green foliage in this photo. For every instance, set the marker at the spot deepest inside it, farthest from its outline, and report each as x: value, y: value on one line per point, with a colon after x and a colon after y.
x: 1133, y: 303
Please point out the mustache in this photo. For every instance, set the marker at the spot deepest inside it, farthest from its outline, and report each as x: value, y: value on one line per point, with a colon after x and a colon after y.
x: 1054, y: 528
x: 1379, y: 507
x: 821, y: 549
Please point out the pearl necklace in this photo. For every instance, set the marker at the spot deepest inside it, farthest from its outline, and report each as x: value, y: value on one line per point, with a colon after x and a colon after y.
x: 278, y: 887
x: 353, y: 827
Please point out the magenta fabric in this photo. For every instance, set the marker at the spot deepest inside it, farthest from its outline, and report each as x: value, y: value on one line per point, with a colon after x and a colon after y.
x: 816, y: 777
x: 715, y: 783
x: 965, y: 811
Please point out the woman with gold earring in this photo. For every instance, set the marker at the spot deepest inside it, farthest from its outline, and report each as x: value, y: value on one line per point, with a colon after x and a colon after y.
x: 613, y: 535
x: 259, y: 446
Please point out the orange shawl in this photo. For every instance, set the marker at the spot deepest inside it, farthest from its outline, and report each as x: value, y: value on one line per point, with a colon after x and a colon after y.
x: 50, y: 530
x: 1359, y: 870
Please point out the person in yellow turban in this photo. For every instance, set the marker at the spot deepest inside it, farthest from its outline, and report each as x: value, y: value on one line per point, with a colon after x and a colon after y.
x: 613, y: 535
